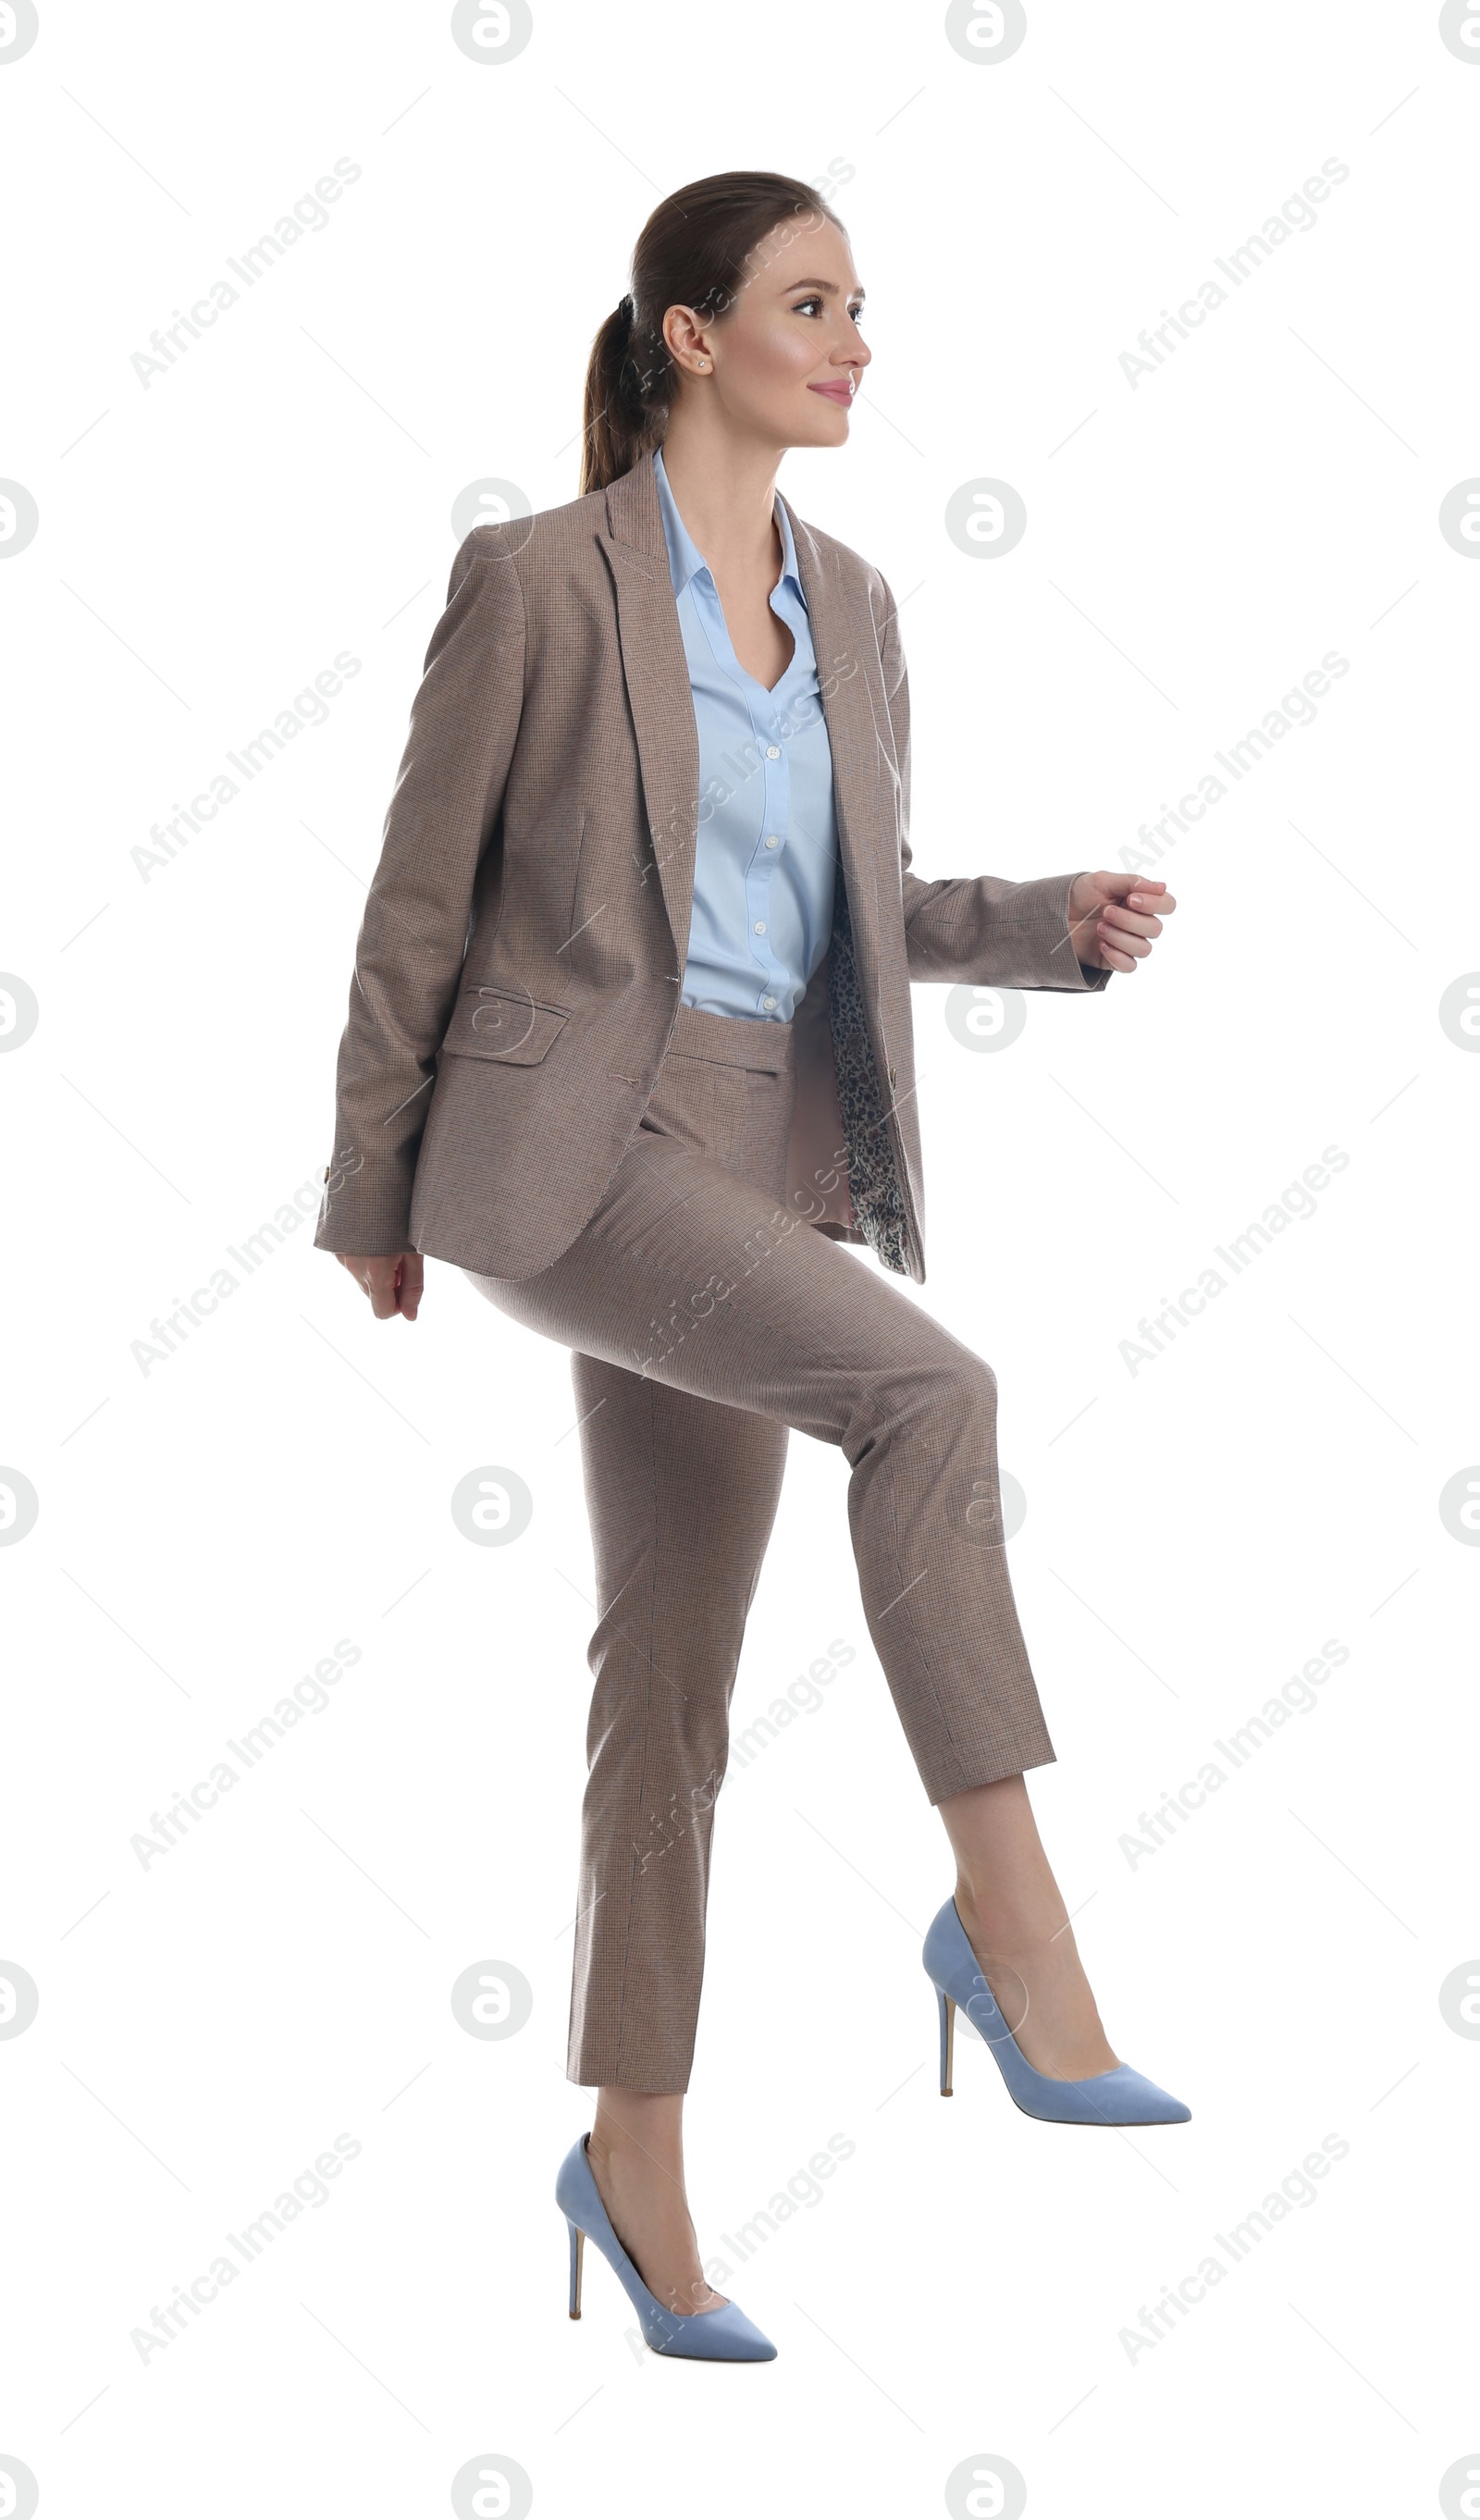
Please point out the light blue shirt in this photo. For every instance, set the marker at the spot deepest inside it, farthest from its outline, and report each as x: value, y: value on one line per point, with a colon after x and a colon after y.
x: 766, y: 843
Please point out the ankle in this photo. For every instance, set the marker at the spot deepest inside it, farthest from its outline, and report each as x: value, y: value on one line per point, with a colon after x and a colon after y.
x: 639, y: 2127
x: 1005, y: 1928
x: 611, y: 2148
x: 624, y: 2168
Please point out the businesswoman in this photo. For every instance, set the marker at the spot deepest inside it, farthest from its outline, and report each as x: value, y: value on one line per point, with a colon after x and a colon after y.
x: 629, y: 1042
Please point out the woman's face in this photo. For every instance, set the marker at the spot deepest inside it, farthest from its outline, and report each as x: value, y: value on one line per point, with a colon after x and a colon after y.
x: 784, y: 361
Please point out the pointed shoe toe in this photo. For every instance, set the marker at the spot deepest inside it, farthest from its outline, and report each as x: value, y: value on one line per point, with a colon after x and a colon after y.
x: 1138, y: 2094
x: 715, y: 2336
x: 1120, y: 2098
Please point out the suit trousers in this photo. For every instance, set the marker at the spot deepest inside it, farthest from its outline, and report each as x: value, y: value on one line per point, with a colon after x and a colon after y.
x: 705, y: 1318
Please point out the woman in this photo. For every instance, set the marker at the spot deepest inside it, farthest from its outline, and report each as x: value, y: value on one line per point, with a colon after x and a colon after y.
x: 629, y: 1041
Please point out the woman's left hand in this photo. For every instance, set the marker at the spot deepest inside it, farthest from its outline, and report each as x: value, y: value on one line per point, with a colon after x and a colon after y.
x: 1113, y: 917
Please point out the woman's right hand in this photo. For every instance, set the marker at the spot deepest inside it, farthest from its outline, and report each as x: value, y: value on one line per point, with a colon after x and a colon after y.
x: 392, y: 1282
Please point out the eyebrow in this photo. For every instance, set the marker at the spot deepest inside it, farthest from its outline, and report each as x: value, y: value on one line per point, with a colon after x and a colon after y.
x: 830, y: 286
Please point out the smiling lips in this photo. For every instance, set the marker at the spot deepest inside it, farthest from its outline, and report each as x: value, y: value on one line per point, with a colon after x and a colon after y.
x: 841, y: 393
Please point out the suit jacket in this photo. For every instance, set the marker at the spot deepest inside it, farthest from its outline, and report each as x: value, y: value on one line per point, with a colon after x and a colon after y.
x: 522, y: 953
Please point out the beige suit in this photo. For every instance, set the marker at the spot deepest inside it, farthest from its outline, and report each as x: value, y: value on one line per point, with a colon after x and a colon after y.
x: 662, y: 1190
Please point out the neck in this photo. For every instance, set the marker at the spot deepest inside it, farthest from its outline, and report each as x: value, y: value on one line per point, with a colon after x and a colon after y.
x: 725, y: 492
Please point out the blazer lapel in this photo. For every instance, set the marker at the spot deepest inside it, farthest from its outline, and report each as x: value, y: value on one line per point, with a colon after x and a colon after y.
x: 657, y: 673
x: 847, y: 665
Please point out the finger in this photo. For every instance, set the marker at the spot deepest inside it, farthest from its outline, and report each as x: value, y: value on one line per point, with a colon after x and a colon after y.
x: 1135, y: 923
x: 377, y: 1275
x: 409, y: 1284
x: 1150, y: 896
x: 1120, y: 886
x: 1119, y: 948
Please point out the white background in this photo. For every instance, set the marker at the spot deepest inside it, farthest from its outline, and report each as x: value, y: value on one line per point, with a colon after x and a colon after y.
x: 1196, y: 1530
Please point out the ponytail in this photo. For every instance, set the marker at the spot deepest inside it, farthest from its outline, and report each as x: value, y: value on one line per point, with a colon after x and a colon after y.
x: 618, y: 430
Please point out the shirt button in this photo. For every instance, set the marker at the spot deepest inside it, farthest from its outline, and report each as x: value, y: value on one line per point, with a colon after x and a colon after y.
x: 768, y: 1004
x: 760, y: 928
x: 773, y: 841
x: 773, y: 753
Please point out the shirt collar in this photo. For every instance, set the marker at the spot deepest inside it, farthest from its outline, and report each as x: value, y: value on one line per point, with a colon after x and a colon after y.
x: 686, y: 560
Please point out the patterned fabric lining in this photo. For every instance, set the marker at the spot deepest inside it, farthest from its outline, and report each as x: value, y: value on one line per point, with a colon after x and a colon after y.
x: 873, y: 1179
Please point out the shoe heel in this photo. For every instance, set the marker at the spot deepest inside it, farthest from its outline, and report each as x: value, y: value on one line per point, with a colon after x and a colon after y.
x: 947, y: 2012
x: 577, y: 2258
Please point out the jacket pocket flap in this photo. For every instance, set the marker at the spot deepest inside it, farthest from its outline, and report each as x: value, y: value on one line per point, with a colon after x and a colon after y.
x: 491, y: 1023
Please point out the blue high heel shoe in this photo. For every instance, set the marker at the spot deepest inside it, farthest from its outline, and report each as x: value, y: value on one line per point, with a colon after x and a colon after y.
x: 1121, y: 2098
x: 709, y: 2336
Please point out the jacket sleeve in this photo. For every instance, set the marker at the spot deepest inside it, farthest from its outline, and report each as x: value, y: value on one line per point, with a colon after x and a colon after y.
x: 979, y: 930
x: 442, y: 816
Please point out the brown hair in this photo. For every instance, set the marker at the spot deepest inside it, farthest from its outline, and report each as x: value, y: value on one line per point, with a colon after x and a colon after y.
x: 691, y: 252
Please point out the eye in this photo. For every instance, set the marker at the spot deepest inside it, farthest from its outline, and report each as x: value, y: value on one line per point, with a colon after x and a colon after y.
x: 814, y: 304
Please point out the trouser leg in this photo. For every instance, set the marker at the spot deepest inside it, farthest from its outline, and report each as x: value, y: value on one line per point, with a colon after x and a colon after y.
x: 697, y: 1280
x: 682, y: 1494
